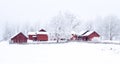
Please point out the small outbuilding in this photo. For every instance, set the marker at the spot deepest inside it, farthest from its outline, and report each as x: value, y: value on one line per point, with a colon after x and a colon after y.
x: 32, y: 36
x: 19, y: 38
x: 42, y: 35
x: 85, y: 35
x: 88, y: 36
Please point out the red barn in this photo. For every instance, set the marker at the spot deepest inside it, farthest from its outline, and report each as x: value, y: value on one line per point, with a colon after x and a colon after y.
x: 42, y: 35
x: 85, y: 36
x: 19, y: 38
x: 88, y: 35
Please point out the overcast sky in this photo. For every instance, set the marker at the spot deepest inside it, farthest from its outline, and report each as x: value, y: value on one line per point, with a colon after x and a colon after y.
x: 43, y: 10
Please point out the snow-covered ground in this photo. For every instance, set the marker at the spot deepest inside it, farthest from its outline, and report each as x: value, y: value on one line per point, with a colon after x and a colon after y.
x: 67, y: 53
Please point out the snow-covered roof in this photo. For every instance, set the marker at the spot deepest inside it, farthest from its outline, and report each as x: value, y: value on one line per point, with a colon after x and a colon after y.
x: 16, y: 35
x: 34, y: 33
x: 88, y: 33
x: 41, y: 33
x: 78, y: 33
x: 31, y: 33
x: 81, y: 32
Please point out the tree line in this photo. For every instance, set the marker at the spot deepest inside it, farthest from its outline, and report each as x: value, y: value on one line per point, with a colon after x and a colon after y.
x: 63, y: 23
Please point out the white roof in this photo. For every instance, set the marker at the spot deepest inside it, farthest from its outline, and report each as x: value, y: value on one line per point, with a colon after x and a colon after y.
x: 88, y: 33
x: 81, y: 32
x: 41, y: 32
x: 17, y: 34
x: 14, y: 35
x: 31, y: 33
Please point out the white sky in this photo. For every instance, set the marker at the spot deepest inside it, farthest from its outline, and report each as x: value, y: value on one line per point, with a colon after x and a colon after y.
x: 43, y: 10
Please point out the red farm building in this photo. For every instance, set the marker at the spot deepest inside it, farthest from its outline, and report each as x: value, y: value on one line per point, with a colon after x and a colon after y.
x: 32, y: 36
x: 86, y: 36
x: 41, y: 35
x: 19, y: 38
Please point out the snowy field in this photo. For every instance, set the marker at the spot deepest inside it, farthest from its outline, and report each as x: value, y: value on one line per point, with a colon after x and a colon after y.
x: 67, y: 53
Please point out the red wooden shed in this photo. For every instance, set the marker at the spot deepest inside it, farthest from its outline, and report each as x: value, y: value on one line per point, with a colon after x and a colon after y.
x: 42, y: 35
x: 19, y: 38
x: 32, y: 36
x: 85, y: 36
x: 88, y: 35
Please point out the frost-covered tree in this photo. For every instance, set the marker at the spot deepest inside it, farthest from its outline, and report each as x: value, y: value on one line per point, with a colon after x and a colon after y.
x: 62, y: 24
x: 89, y: 25
x: 109, y: 27
x: 8, y: 30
